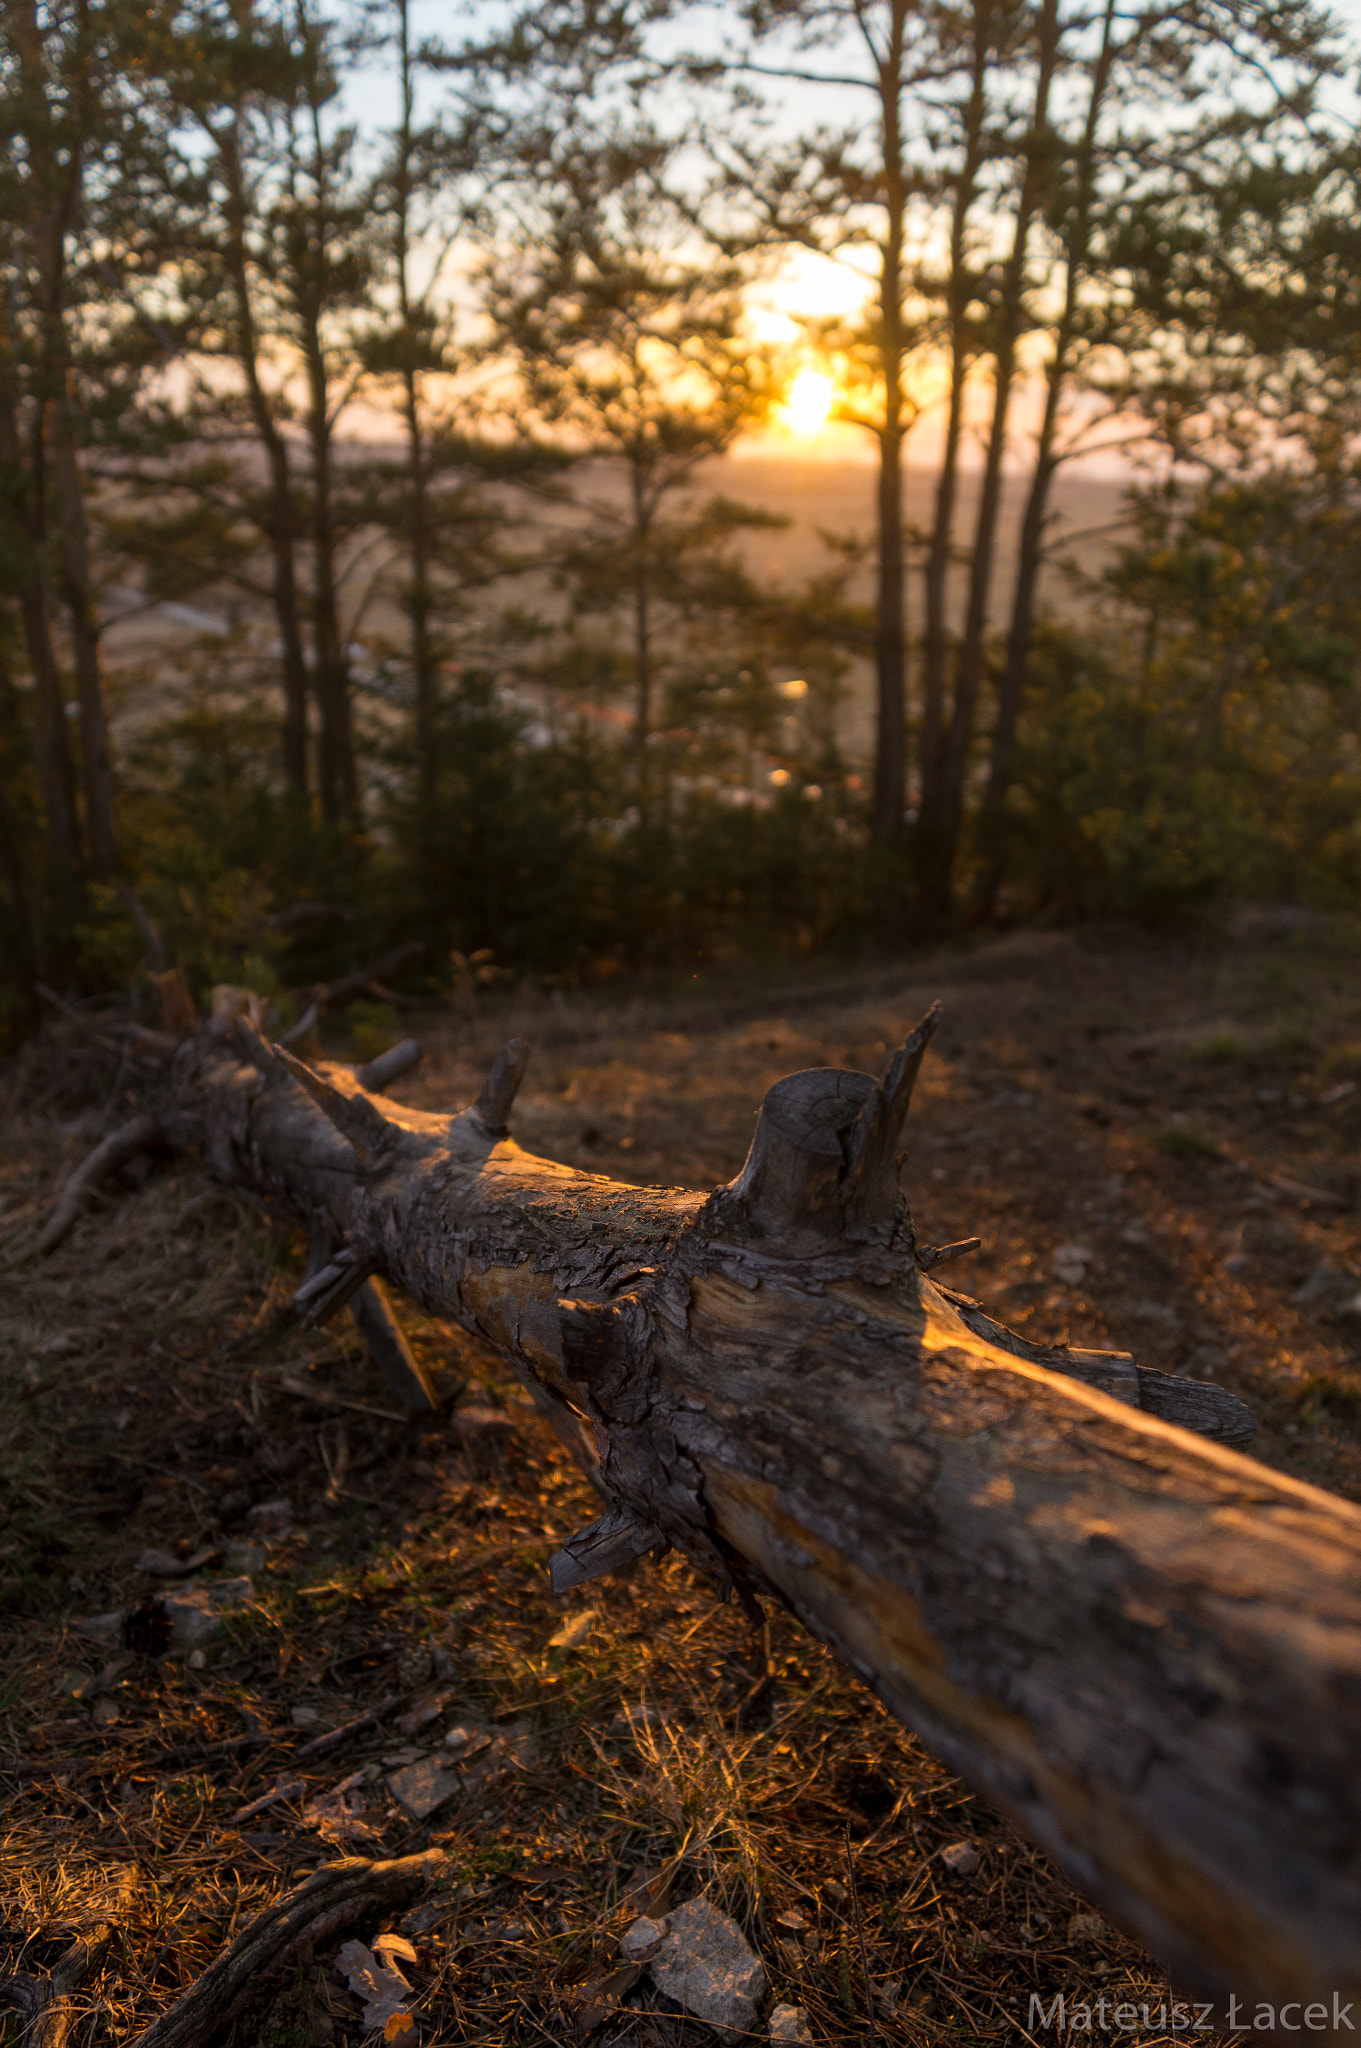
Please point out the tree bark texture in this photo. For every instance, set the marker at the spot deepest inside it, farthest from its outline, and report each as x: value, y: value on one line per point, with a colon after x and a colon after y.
x: 1142, y: 1645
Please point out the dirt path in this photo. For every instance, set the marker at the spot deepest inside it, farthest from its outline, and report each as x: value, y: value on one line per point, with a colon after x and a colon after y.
x: 1158, y: 1150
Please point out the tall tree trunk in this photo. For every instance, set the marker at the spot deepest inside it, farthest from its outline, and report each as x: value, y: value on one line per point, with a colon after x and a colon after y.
x: 936, y: 572
x: 423, y: 663
x: 958, y: 741
x: 339, y: 783
x: 890, y: 756
x: 82, y: 613
x: 282, y: 516
x: 13, y: 865
x: 419, y: 600
x: 339, y: 779
x: 56, y: 171
x: 23, y: 457
x: 1031, y: 549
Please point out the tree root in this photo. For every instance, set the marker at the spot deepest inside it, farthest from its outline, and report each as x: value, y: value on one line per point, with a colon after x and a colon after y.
x: 334, y: 1898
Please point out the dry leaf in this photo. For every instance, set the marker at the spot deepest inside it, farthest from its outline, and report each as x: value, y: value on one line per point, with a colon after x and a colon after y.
x: 380, y: 1987
x: 395, y: 1945
x: 574, y: 1630
x: 601, y: 1998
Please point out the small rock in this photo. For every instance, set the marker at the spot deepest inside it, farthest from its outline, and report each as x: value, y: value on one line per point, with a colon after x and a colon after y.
x: 705, y: 1963
x: 1070, y: 1263
x: 195, y: 1617
x: 271, y: 1517
x: 1238, y: 1263
x: 423, y: 1787
x: 104, y: 1713
x: 1086, y: 1927
x: 1327, y: 1290
x: 303, y: 1717
x: 793, y: 1919
x: 1206, y: 1362
x: 241, y: 1559
x: 790, y: 2023
x: 641, y: 1941
x: 961, y: 1858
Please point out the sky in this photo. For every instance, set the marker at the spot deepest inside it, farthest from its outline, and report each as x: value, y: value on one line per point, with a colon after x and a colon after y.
x: 806, y: 285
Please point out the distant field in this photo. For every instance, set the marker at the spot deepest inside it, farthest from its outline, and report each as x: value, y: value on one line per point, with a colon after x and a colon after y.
x: 815, y: 495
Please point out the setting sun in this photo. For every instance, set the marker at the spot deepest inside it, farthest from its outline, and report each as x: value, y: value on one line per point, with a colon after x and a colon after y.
x: 809, y: 405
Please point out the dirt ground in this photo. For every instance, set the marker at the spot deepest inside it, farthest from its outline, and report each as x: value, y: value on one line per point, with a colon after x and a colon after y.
x: 1157, y: 1145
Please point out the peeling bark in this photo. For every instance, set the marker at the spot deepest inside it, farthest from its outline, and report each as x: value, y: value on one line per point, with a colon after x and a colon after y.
x: 1142, y: 1645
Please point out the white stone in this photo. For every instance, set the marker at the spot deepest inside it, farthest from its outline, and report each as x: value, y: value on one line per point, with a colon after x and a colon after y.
x: 706, y: 1964
x: 960, y: 1857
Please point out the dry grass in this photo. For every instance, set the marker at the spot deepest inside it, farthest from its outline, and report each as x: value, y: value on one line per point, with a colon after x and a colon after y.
x: 143, y: 1401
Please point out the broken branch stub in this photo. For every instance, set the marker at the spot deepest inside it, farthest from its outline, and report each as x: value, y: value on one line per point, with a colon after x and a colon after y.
x: 1144, y: 1646
x: 493, y: 1105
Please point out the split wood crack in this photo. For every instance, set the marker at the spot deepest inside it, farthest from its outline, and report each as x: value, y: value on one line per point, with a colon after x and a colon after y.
x: 1051, y: 1564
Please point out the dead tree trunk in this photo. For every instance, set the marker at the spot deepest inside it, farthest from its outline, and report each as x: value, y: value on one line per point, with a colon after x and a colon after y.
x: 1143, y: 1646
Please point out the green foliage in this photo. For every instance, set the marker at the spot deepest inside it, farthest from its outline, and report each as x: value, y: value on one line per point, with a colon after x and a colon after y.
x: 1220, y: 1048
x: 1182, y: 1141
x: 1208, y: 744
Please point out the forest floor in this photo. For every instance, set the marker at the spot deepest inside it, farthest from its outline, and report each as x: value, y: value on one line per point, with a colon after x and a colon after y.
x: 1158, y: 1147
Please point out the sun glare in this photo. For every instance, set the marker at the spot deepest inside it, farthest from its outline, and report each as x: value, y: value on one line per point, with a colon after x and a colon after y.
x: 809, y: 404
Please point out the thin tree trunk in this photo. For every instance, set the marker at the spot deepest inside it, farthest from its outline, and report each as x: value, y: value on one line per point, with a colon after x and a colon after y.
x: 969, y: 668
x: 12, y: 837
x: 24, y: 457
x: 424, y: 671
x: 641, y: 606
x: 936, y: 574
x: 890, y: 760
x: 339, y: 779
x: 1140, y: 1644
x: 82, y: 613
x: 1031, y: 549
x: 282, y: 524
x: 423, y: 661
x: 56, y: 174
x: 339, y: 785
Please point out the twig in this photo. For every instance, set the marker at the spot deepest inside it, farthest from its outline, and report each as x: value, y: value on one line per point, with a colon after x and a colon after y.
x: 860, y: 1935
x: 335, y: 1736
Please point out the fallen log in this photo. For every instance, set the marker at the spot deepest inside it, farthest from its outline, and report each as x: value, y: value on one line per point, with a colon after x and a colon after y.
x: 1141, y: 1644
